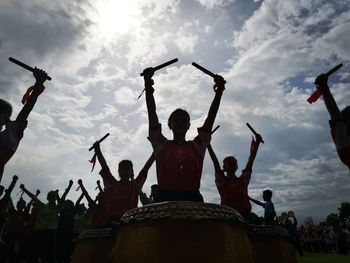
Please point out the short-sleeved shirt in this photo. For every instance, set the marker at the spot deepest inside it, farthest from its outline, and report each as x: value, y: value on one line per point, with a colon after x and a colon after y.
x: 47, y: 217
x: 269, y: 213
x: 9, y: 141
x: 179, y: 166
x: 341, y: 138
x: 234, y: 191
x: 120, y: 198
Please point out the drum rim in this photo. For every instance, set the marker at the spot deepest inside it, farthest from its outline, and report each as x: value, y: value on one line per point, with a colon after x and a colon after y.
x: 184, y: 210
x: 267, y: 231
x: 96, y: 233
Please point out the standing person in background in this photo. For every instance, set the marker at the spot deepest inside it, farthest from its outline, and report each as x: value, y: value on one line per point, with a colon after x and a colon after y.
x: 179, y: 162
x: 5, y: 205
x: 13, y: 132
x: 233, y: 190
x: 291, y: 224
x: 47, y: 222
x: 97, y: 211
x: 269, y: 208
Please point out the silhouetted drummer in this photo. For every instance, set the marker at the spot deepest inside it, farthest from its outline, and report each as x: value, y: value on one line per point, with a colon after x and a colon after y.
x: 179, y: 162
x: 234, y: 190
x: 121, y: 196
x: 13, y: 132
x: 339, y: 122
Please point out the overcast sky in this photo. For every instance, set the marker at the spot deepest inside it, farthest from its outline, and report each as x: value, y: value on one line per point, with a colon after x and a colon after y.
x: 268, y: 51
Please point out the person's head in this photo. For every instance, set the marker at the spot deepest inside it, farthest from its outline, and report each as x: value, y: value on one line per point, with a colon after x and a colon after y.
x: 68, y: 204
x: 230, y: 165
x: 267, y: 195
x: 51, y: 197
x: 5, y: 112
x: 21, y: 204
x: 179, y: 121
x: 81, y: 209
x: 154, y: 191
x: 125, y: 170
x: 290, y: 213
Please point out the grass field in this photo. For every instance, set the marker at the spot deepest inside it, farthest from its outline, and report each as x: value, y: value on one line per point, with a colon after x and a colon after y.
x: 324, y: 258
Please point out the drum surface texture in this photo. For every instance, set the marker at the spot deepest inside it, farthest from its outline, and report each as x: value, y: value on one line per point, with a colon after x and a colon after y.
x: 94, y: 246
x: 271, y: 244
x: 182, y: 232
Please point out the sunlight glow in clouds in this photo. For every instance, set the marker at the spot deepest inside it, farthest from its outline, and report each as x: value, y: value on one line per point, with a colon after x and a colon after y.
x: 114, y: 16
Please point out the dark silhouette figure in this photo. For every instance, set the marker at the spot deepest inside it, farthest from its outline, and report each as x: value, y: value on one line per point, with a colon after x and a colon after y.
x: 269, y: 208
x: 121, y: 196
x: 179, y: 162
x: 47, y: 222
x: 234, y: 190
x: 339, y: 122
x: 12, y: 134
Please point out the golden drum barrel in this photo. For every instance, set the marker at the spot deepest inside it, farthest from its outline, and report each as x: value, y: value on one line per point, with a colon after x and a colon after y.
x: 94, y: 246
x: 182, y: 232
x: 271, y: 244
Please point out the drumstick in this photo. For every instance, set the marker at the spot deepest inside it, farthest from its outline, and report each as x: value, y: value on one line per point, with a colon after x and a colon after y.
x: 21, y: 64
x: 217, y: 127
x: 253, y: 131
x: 99, y: 141
x: 205, y: 71
x: 334, y: 70
x: 162, y: 65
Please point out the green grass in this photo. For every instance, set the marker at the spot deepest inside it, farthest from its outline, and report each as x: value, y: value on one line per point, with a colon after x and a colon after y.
x: 324, y: 258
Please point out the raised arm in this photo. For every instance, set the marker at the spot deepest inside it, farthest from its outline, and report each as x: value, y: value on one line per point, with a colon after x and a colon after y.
x: 214, y: 159
x: 31, y: 195
x: 9, y: 190
x: 322, y: 84
x: 249, y: 165
x: 142, y: 176
x: 256, y: 202
x: 219, y: 87
x: 30, y: 203
x: 77, y: 203
x: 63, y: 197
x: 38, y: 88
x: 85, y: 193
x: 150, y: 102
x: 100, y: 157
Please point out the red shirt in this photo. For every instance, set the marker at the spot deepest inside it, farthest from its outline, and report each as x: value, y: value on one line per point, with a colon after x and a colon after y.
x: 119, y: 198
x: 341, y: 138
x: 98, y: 216
x: 234, y: 192
x: 9, y: 141
x: 179, y: 166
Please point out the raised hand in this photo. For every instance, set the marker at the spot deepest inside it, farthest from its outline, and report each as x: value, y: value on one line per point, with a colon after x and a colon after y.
x: 40, y: 75
x: 219, y: 83
x: 322, y: 82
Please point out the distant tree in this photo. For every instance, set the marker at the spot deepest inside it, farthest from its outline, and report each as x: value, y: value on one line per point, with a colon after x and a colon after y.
x: 308, y: 221
x: 344, y: 210
x: 332, y: 219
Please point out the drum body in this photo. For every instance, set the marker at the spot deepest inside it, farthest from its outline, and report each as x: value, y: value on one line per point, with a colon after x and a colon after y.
x: 271, y: 244
x: 94, y: 246
x: 182, y: 232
